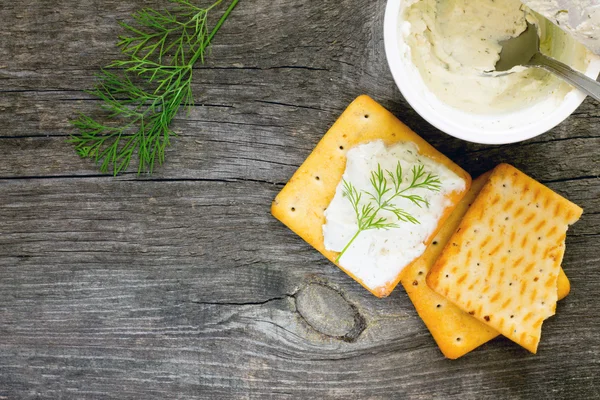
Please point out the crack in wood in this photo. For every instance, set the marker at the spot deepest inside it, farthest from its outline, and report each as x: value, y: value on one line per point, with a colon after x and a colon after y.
x: 487, y: 148
x: 584, y: 235
x: 301, y: 67
x: 209, y: 121
x: 142, y: 178
x: 224, y: 180
x: 39, y: 136
x: 74, y: 176
x: 555, y: 140
x: 265, y: 161
x: 277, y: 103
x: 574, y: 179
x: 239, y: 304
x: 57, y: 90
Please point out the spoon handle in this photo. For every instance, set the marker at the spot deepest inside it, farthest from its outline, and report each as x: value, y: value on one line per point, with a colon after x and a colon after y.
x: 577, y: 79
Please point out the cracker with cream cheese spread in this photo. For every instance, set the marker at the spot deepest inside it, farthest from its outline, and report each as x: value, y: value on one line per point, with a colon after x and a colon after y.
x: 454, y: 330
x: 503, y: 262
x: 301, y: 203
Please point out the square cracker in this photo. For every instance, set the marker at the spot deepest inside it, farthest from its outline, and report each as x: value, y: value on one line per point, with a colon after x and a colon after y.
x: 301, y: 203
x: 502, y: 263
x: 455, y: 331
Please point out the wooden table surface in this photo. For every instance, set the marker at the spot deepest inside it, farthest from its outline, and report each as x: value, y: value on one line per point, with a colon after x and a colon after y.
x: 181, y: 285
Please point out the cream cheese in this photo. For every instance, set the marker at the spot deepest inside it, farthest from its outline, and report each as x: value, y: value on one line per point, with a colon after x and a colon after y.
x: 580, y: 18
x: 453, y: 43
x: 377, y: 256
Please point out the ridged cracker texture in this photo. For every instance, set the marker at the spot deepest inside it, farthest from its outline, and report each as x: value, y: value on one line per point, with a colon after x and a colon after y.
x: 301, y: 203
x: 454, y: 330
x: 502, y: 263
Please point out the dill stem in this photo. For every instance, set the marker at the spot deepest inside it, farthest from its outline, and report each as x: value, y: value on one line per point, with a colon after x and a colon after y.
x: 213, y: 32
x: 348, y: 245
x: 385, y: 204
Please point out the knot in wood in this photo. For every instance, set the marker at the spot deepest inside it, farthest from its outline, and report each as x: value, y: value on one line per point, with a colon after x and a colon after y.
x: 326, y: 311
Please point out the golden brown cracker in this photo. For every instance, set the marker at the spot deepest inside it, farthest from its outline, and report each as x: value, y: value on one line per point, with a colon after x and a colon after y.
x: 455, y: 331
x: 301, y: 203
x: 502, y: 263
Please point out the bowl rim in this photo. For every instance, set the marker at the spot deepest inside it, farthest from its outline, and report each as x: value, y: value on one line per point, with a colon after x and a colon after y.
x: 567, y: 106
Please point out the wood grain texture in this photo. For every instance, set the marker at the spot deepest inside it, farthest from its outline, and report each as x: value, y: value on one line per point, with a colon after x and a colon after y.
x: 181, y: 285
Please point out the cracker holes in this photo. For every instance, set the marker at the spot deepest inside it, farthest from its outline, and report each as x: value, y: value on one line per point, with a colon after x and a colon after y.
x: 420, y: 272
x: 438, y: 306
x: 415, y: 283
x: 317, y: 178
x: 341, y: 147
x: 458, y: 339
x: 366, y: 116
x: 293, y: 209
x: 512, y: 316
x: 435, y: 243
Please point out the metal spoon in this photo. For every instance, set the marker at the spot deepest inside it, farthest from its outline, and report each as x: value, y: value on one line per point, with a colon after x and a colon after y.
x: 524, y: 50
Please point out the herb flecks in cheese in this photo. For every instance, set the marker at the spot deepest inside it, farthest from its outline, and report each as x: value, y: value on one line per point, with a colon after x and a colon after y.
x: 580, y: 18
x: 386, y: 206
x: 455, y: 43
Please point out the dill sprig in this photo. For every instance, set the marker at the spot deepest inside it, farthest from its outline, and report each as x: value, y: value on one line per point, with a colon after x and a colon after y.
x: 162, y: 48
x: 380, y: 198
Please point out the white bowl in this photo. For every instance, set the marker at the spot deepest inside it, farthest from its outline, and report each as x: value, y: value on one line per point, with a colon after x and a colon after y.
x: 501, y: 128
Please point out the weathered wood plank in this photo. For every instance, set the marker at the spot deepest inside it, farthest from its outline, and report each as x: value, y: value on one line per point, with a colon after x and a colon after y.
x: 248, y: 139
x: 199, y: 288
x: 181, y: 285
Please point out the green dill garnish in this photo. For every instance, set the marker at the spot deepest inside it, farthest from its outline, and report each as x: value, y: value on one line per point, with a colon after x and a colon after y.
x: 380, y: 199
x: 143, y: 93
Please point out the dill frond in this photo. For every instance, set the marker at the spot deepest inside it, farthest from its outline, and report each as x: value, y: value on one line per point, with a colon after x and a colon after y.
x: 143, y: 93
x: 367, y: 216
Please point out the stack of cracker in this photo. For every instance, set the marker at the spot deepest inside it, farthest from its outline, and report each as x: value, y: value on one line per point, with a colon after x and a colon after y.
x: 456, y: 331
x: 492, y: 266
x: 502, y: 264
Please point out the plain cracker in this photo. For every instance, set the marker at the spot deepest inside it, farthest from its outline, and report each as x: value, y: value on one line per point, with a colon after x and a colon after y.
x: 502, y: 263
x: 455, y: 332
x: 301, y: 203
